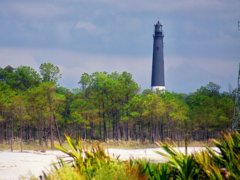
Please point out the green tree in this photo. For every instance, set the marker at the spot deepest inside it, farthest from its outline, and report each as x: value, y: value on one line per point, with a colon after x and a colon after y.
x: 107, y: 94
x: 6, y: 101
x: 26, y: 77
x: 20, y: 78
x: 210, y: 111
x: 7, y: 75
x: 135, y: 108
x: 20, y: 114
x: 128, y: 89
x: 50, y: 72
x: 45, y: 108
x: 154, y: 109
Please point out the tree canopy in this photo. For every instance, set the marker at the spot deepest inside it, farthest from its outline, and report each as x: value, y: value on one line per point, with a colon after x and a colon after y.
x: 105, y: 106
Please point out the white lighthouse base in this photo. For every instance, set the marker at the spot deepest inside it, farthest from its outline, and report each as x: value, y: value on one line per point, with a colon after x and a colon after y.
x: 158, y: 88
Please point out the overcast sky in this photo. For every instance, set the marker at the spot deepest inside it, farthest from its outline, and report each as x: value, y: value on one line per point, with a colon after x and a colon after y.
x: 201, y: 38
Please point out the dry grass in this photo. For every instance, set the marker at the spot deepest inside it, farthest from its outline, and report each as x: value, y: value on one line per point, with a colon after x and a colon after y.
x: 131, y: 144
x: 25, y: 146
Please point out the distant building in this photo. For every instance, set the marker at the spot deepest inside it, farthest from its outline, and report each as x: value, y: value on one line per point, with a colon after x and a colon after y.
x: 158, y: 81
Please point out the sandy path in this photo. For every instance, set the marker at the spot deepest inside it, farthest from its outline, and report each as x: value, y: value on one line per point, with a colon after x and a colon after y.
x: 15, y: 164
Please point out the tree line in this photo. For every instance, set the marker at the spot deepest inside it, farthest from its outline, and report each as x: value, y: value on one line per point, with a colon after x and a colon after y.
x: 33, y: 107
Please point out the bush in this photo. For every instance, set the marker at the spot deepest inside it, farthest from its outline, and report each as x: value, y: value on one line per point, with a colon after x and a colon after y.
x: 95, y: 164
x: 64, y: 173
x: 228, y: 157
x: 114, y: 170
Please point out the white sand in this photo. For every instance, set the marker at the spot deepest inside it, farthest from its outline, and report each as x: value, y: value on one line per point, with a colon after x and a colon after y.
x: 16, y: 164
x: 148, y: 154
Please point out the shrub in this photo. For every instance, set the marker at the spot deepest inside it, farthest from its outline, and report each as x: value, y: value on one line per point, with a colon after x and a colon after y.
x: 181, y: 166
x: 227, y: 159
x: 114, y: 170
x: 95, y: 164
x: 85, y: 161
x: 66, y: 172
x: 151, y: 170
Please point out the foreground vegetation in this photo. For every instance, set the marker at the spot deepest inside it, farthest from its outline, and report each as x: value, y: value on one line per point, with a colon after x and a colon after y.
x: 95, y: 164
x: 34, y: 109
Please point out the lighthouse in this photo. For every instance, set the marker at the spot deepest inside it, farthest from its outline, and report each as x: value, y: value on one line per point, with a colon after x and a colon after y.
x: 158, y: 81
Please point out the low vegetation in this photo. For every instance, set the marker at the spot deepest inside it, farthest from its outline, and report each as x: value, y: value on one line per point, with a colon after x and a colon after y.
x: 94, y: 163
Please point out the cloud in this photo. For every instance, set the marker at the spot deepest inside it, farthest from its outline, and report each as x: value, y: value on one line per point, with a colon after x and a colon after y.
x: 34, y: 10
x: 175, y: 6
x: 51, y: 9
x: 87, y: 26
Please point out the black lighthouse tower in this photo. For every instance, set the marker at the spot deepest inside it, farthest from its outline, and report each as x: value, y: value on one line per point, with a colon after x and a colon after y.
x: 158, y: 81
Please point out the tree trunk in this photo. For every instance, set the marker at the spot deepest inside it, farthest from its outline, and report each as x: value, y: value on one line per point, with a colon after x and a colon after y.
x: 11, y: 140
x: 152, y: 129
x: 2, y: 133
x: 117, y: 126
x: 186, y: 141
x: 30, y: 134
x: 127, y: 132
x: 141, y: 129
x: 58, y: 133
x: 21, y: 136
x: 104, y: 123
x: 113, y: 127
x: 100, y: 124
x: 51, y: 133
x: 40, y: 135
x: 91, y: 135
x: 45, y: 137
x: 104, y: 129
